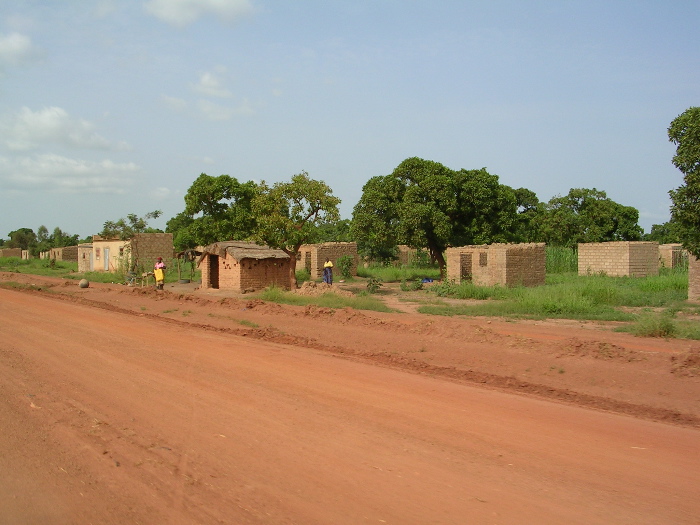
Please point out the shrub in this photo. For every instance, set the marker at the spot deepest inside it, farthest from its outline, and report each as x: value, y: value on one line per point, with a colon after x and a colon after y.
x: 344, y: 264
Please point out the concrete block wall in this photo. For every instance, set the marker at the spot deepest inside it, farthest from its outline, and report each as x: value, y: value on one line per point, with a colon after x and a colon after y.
x: 497, y: 264
x: 313, y: 256
x: 693, y: 279
x: 619, y: 258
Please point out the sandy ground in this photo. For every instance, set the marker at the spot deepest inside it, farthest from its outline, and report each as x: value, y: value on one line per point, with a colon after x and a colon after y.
x: 129, y: 405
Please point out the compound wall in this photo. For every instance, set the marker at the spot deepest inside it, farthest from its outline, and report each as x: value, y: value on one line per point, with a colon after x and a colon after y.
x: 313, y: 256
x: 619, y: 258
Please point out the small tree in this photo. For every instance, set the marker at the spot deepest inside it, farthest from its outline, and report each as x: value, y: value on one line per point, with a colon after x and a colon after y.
x: 684, y: 132
x: 287, y: 214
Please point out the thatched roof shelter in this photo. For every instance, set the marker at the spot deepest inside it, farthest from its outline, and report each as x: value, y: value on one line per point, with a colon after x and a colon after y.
x: 240, y: 250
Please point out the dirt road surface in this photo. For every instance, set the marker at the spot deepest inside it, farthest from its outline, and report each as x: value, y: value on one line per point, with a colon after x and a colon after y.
x: 131, y: 406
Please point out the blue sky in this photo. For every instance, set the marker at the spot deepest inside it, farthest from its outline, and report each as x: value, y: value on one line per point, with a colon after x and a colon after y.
x: 115, y: 107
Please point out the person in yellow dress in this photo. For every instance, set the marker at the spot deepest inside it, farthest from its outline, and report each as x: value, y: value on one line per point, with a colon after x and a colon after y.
x: 159, y: 273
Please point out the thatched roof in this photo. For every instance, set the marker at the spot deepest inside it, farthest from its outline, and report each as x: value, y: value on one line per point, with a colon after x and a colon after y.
x: 240, y: 250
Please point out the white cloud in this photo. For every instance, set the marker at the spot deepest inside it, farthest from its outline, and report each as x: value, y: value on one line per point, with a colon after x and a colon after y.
x: 55, y: 173
x: 210, y: 85
x: 174, y: 103
x: 180, y: 13
x: 31, y: 129
x: 17, y: 49
x: 212, y: 111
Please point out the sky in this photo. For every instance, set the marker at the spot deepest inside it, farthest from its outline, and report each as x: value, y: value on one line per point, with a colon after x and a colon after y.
x: 115, y: 107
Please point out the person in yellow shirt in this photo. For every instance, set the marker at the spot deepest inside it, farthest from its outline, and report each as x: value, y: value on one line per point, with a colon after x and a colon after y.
x: 328, y: 272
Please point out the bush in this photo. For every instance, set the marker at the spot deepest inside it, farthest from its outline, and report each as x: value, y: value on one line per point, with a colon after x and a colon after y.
x: 344, y: 264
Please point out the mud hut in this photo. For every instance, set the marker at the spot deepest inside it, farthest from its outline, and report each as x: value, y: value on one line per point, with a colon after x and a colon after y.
x: 243, y: 267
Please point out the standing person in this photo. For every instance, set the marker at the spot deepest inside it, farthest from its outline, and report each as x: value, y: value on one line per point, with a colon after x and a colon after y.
x: 328, y: 272
x: 159, y: 273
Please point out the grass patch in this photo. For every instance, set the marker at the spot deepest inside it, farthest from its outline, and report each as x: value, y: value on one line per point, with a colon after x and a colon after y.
x: 327, y: 300
x: 45, y: 267
x: 250, y: 324
x: 567, y: 296
x: 396, y: 274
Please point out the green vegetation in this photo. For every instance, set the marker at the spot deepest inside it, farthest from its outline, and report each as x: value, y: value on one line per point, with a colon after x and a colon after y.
x: 684, y: 132
x: 46, y: 267
x: 567, y: 296
x: 396, y: 274
x: 327, y: 300
x: 344, y: 264
x: 559, y: 259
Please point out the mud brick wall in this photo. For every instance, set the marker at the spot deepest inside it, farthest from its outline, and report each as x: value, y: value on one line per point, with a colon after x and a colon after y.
x: 150, y: 246
x: 247, y: 275
x: 672, y: 255
x: 11, y: 252
x: 693, y: 279
x: 619, y: 258
x: 497, y: 264
x: 313, y: 256
x: 66, y: 253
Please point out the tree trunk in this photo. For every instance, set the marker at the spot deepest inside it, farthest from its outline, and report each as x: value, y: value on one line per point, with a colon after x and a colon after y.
x: 443, y: 265
x: 292, y: 272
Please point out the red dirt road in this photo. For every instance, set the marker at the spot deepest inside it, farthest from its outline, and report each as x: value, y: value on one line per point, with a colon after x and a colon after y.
x: 112, y: 413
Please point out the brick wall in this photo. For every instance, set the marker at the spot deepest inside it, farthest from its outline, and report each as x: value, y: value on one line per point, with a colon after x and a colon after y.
x: 245, y: 276
x: 619, y: 258
x: 313, y: 256
x: 11, y: 252
x: 85, y: 263
x: 497, y: 264
x: 148, y: 246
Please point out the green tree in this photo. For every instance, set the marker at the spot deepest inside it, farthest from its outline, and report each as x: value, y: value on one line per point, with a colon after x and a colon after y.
x: 665, y: 233
x: 183, y: 236
x: 288, y: 213
x: 588, y: 215
x: 43, y: 241
x: 684, y: 132
x: 216, y: 209
x: 23, y: 238
x: 528, y: 221
x: 338, y: 231
x: 424, y: 204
